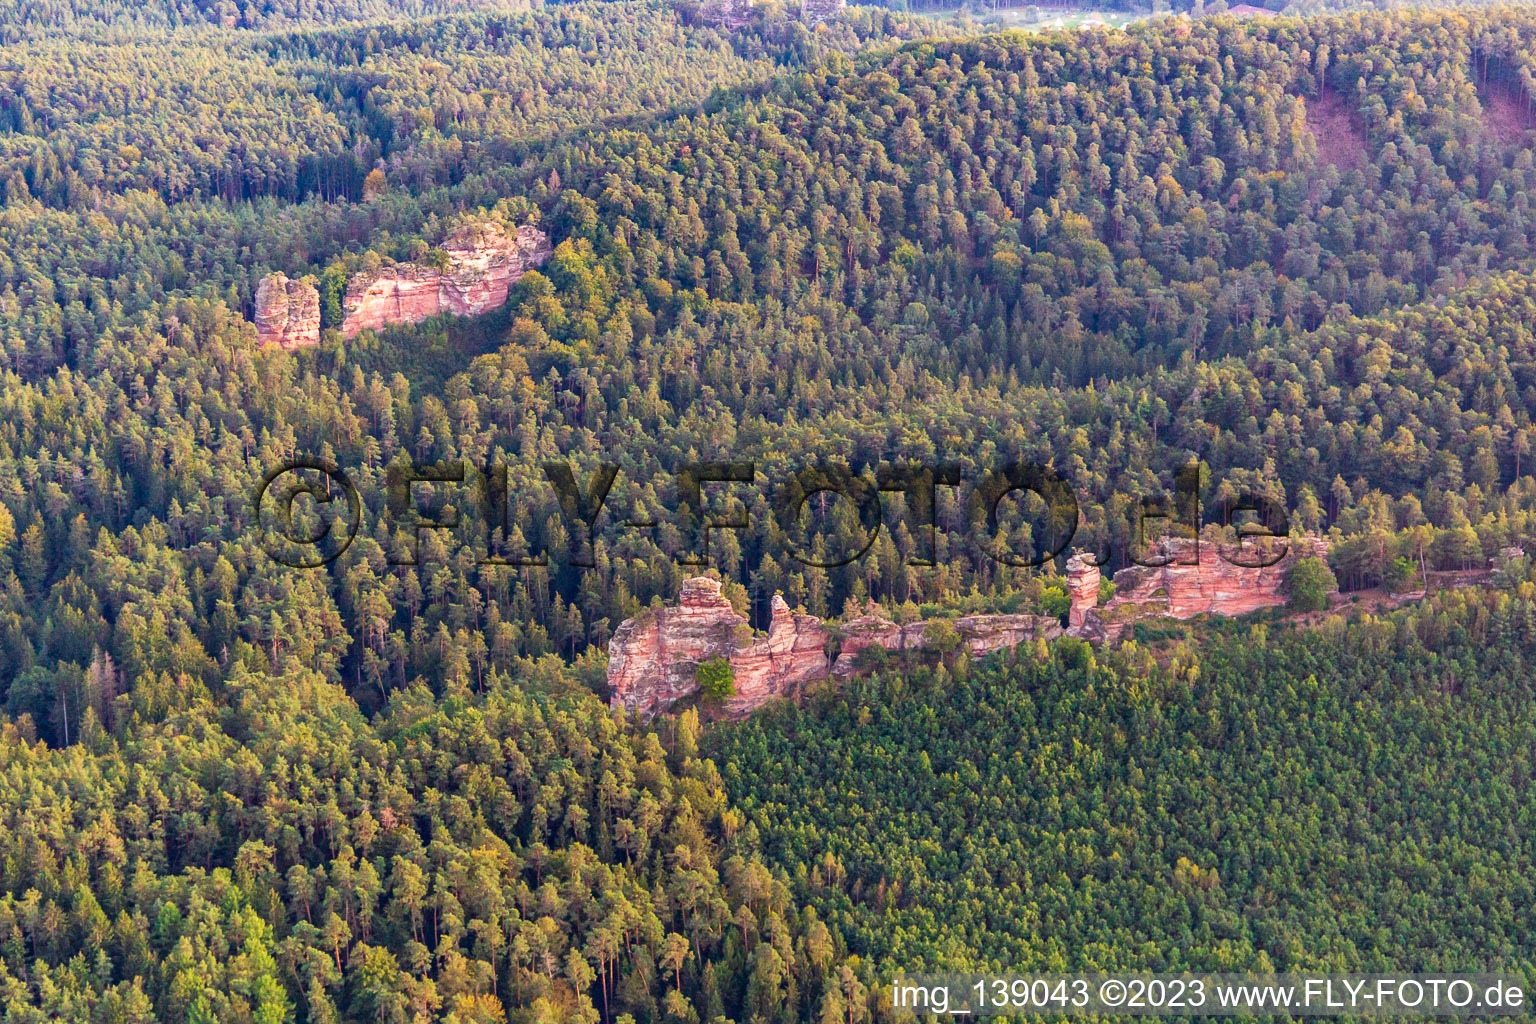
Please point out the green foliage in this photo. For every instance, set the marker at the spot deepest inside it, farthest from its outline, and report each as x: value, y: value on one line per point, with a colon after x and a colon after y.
x: 1055, y: 602
x: 1400, y: 574
x: 456, y: 825
x: 940, y: 636
x: 716, y: 678
x: 332, y: 288
x: 1511, y: 569
x: 872, y: 658
x: 1084, y: 813
x: 238, y: 792
x: 1310, y: 581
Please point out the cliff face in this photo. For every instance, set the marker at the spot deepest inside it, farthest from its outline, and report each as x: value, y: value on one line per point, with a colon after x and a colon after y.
x: 873, y: 629
x: 484, y: 261
x: 1212, y: 586
x: 814, y: 12
x: 652, y: 658
x: 793, y: 656
x: 1083, y: 588
x: 287, y: 312
x: 980, y: 635
x: 730, y: 14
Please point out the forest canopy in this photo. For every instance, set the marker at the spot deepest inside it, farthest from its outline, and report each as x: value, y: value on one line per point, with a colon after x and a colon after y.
x: 1295, y: 252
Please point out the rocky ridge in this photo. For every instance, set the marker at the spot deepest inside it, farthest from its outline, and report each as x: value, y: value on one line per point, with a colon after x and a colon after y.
x: 653, y: 658
x: 979, y: 635
x: 483, y: 262
x: 1192, y: 581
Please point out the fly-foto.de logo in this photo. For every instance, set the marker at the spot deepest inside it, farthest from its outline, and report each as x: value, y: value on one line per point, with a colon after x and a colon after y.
x: 310, y: 511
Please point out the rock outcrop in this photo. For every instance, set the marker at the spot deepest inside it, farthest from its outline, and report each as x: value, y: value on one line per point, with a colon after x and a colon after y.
x: 874, y: 629
x: 653, y: 658
x: 484, y: 261
x: 979, y: 635
x: 730, y: 14
x: 1083, y: 588
x: 793, y: 656
x: 1194, y: 581
x: 287, y: 312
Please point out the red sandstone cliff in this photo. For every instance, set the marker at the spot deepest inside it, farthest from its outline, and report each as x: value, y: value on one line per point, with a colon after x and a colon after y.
x: 793, y: 655
x: 484, y: 261
x: 653, y: 657
x: 1188, y: 585
x: 287, y: 312
x: 1083, y: 588
x: 874, y: 629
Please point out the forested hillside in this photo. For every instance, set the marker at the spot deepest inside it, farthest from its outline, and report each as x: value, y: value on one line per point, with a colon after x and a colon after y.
x: 953, y: 253
x: 39, y: 17
x: 1297, y: 251
x: 1366, y: 809
x: 271, y: 854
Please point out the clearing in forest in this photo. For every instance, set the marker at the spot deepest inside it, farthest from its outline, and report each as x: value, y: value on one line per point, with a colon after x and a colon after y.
x: 1332, y: 123
x: 1506, y: 114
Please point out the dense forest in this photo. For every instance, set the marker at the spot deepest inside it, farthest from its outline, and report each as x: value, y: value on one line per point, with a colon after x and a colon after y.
x: 38, y: 17
x: 1294, y: 251
x: 1367, y: 809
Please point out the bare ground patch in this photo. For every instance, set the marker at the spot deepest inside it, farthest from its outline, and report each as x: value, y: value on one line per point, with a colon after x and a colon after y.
x: 1506, y: 115
x: 1333, y: 124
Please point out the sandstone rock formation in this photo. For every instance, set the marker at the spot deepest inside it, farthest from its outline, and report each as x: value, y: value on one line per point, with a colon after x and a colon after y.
x: 1083, y: 589
x: 287, y: 312
x: 652, y: 658
x: 983, y: 634
x: 730, y: 14
x: 874, y: 629
x: 1189, y: 584
x: 793, y: 655
x: 980, y: 635
x: 484, y: 261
